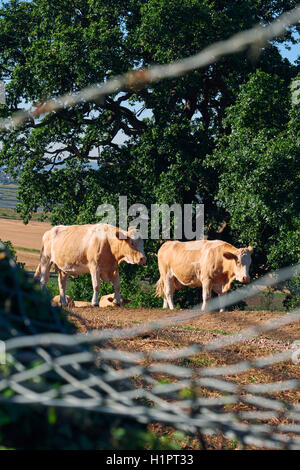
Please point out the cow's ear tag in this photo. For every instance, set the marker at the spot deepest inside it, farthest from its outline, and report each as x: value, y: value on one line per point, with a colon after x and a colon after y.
x: 229, y: 255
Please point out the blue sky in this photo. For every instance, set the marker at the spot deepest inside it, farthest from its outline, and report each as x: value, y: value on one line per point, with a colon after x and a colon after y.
x: 293, y: 54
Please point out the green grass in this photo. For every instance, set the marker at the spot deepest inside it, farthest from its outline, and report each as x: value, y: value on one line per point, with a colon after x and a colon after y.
x: 10, y: 213
x: 190, y: 328
x: 53, y: 289
x: 9, y: 201
x: 198, y: 361
x: 27, y: 250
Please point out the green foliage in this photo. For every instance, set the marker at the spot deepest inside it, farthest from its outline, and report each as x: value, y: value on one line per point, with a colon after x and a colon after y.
x: 19, y: 293
x: 131, y: 439
x: 45, y: 54
x: 140, y: 293
x: 33, y: 427
x: 292, y: 300
x: 258, y: 166
x: 294, y: 285
x: 10, y: 248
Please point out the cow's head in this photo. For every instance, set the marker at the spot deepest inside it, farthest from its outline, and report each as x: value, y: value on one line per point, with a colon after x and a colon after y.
x: 242, y: 261
x: 134, y: 251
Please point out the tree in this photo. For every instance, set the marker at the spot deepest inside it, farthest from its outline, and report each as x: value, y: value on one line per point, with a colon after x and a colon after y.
x: 49, y: 48
x: 258, y: 165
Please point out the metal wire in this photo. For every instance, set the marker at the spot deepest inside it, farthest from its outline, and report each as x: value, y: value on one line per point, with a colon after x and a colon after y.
x: 105, y: 380
x: 254, y: 38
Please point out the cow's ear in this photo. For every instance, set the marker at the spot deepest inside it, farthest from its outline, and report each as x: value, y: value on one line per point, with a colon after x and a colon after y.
x: 121, y: 235
x: 131, y: 231
x: 250, y: 249
x: 229, y: 255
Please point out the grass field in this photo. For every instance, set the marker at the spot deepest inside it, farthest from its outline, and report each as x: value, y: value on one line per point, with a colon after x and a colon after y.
x: 204, y: 329
x: 8, y: 196
x: 9, y: 201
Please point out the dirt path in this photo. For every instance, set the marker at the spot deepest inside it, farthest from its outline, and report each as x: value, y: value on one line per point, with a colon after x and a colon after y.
x: 205, y: 328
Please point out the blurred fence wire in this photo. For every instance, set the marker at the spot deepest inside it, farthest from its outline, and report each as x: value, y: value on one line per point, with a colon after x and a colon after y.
x: 59, y: 369
x: 47, y: 365
x: 254, y: 38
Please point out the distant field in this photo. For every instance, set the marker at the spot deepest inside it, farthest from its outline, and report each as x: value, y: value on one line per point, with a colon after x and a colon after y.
x: 27, y: 239
x: 9, y: 213
x: 9, y: 201
x: 8, y: 196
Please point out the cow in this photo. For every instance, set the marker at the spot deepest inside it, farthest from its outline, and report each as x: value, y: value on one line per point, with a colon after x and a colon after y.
x: 97, y: 249
x: 55, y: 302
x: 108, y: 301
x: 212, y: 264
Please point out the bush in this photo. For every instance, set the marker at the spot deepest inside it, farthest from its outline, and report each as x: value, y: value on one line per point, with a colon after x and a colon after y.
x: 140, y: 293
x: 10, y: 248
x: 292, y: 300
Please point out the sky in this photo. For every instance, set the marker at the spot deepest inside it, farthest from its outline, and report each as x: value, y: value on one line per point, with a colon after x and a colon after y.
x: 293, y: 54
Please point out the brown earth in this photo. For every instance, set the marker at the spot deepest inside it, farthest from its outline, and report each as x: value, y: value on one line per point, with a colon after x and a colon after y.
x: 31, y: 260
x: 204, y: 329
x: 208, y: 326
x: 25, y: 236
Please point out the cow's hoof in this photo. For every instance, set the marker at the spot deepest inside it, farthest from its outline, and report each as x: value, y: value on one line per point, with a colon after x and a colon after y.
x: 95, y: 305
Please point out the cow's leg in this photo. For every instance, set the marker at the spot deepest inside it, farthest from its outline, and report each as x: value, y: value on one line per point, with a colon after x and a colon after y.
x: 45, y: 265
x: 219, y: 291
x: 222, y: 308
x: 206, y: 294
x: 168, y: 291
x: 165, y: 305
x: 116, y: 282
x: 95, y: 275
x: 62, y: 281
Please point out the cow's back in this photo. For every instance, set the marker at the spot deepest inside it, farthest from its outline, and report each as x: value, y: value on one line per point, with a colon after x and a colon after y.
x: 177, y: 259
x: 190, y: 262
x: 70, y: 245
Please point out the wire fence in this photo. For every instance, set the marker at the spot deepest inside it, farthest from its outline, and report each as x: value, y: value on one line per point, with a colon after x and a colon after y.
x: 254, y: 38
x: 90, y: 374
x: 47, y: 365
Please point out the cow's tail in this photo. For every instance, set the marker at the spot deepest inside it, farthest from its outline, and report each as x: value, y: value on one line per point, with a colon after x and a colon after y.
x: 38, y: 269
x: 159, y: 288
x: 37, y: 272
